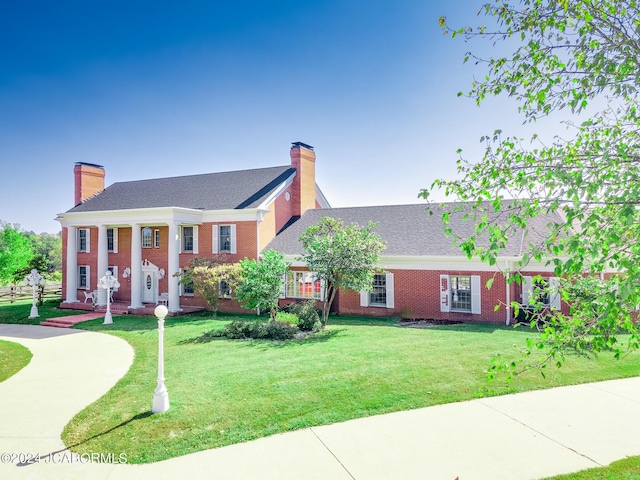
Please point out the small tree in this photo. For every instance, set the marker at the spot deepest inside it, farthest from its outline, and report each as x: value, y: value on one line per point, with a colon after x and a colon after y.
x: 16, y: 252
x: 344, y: 257
x: 207, y: 275
x: 261, y: 282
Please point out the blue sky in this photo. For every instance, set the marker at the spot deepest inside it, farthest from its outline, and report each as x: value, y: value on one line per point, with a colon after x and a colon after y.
x: 156, y: 89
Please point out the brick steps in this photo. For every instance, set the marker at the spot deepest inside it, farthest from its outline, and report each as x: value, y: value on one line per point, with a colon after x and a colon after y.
x: 66, y: 322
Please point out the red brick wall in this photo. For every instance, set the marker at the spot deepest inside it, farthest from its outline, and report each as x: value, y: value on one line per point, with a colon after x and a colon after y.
x: 417, y: 294
x: 89, y: 180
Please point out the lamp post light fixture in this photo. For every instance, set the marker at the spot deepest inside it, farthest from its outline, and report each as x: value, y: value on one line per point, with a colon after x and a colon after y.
x: 161, y: 395
x: 108, y: 282
x: 34, y: 279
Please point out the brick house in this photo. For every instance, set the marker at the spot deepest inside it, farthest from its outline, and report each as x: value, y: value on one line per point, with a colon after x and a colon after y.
x: 146, y: 231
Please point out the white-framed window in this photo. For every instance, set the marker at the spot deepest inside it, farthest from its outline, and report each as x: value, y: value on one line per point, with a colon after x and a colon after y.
x: 156, y: 238
x: 114, y: 270
x: 460, y: 293
x: 186, y: 289
x: 224, y: 289
x: 84, y: 277
x: 189, y: 239
x: 540, y: 290
x: 112, y: 240
x: 84, y: 240
x: 224, y: 238
x: 303, y: 285
x: 382, y: 294
x: 146, y: 237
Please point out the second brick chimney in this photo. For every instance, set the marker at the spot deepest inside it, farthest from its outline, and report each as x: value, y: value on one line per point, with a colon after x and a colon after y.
x: 88, y: 180
x: 303, y: 189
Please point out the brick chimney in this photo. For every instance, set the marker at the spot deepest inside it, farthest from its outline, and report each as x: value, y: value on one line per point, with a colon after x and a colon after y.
x: 88, y: 180
x: 303, y: 190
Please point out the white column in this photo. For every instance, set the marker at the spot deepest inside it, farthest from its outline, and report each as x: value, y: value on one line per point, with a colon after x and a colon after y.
x: 136, y: 266
x: 173, y: 266
x: 103, y: 262
x: 71, y: 274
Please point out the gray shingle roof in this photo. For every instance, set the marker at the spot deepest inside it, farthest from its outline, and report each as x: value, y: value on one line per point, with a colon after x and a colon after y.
x: 406, y: 229
x: 211, y: 191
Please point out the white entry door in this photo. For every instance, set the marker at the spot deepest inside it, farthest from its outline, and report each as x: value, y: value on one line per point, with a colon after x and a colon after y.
x: 149, y: 287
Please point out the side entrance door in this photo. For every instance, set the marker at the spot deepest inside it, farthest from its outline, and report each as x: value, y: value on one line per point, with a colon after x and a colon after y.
x: 149, y: 283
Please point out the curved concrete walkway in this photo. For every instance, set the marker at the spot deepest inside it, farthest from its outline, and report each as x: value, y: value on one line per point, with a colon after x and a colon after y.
x: 523, y: 436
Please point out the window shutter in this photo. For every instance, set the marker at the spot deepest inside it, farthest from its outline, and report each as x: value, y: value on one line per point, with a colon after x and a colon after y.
x: 283, y: 286
x: 390, y: 288
x: 88, y: 274
x: 180, y: 242
x: 115, y: 240
x: 554, y: 293
x: 323, y: 290
x: 233, y: 238
x: 476, y: 305
x: 195, y: 239
x: 364, y: 298
x: 445, y: 294
x: 215, y: 238
x: 88, y: 240
x: 527, y: 290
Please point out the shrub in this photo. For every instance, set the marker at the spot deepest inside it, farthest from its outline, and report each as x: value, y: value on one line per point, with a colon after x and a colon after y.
x: 285, y: 317
x: 308, y: 318
x: 272, y: 330
x: 279, y: 330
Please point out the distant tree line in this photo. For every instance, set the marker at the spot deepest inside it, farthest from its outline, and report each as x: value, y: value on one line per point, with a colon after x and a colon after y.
x: 21, y: 251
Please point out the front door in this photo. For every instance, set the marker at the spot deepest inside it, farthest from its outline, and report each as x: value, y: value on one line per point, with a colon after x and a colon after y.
x: 149, y: 287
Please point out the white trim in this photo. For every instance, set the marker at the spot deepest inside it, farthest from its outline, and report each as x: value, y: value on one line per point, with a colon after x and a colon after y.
x: 234, y: 243
x: 277, y: 192
x: 445, y: 293
x: 156, y: 238
x: 476, y: 304
x: 364, y: 298
x: 390, y: 291
x: 527, y: 290
x: 215, y: 239
x: 321, y: 199
x: 554, y: 293
x: 195, y: 240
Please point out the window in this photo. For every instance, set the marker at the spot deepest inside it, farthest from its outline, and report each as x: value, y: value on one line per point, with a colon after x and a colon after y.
x: 460, y: 293
x: 83, y: 240
x: 114, y: 270
x: 378, y: 296
x: 187, y: 239
x: 224, y: 238
x: 303, y: 285
x: 146, y: 237
x: 83, y: 277
x: 156, y: 238
x: 186, y: 288
x: 542, y: 291
x: 224, y: 289
x: 112, y: 240
x: 382, y: 294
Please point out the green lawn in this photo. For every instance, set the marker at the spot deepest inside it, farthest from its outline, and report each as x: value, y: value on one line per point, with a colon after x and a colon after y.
x: 228, y: 391
x: 18, y: 312
x: 627, y: 469
x: 13, y: 358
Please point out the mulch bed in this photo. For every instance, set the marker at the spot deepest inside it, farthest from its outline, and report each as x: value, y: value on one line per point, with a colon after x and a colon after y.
x: 425, y: 322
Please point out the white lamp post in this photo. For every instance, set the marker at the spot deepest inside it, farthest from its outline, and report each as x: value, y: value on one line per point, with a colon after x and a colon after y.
x: 161, y: 395
x: 108, y: 282
x: 34, y: 279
